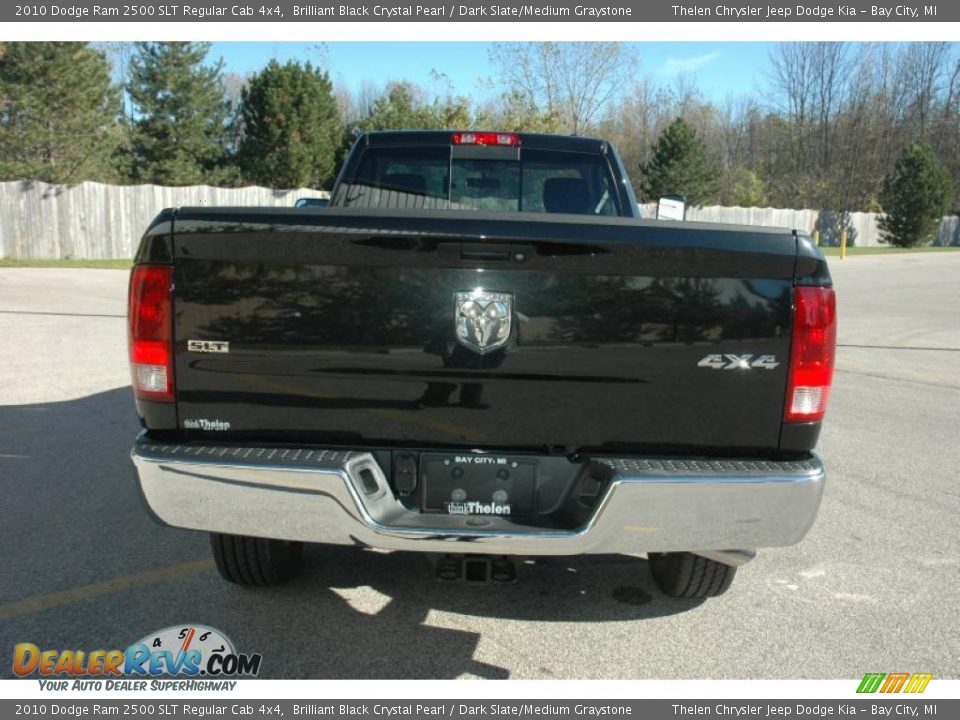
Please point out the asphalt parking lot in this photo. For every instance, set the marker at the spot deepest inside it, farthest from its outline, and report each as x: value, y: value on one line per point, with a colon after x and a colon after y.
x: 874, y: 587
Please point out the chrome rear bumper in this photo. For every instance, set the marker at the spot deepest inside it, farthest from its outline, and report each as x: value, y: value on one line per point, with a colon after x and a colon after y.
x: 713, y: 507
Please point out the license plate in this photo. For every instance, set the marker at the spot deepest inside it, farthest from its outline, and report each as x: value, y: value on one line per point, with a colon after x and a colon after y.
x: 474, y: 484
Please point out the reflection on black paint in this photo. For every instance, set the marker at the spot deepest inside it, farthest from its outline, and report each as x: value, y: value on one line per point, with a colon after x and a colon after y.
x: 342, y: 338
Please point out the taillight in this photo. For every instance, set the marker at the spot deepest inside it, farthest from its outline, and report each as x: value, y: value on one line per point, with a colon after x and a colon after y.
x: 150, y: 332
x: 811, y: 354
x: 485, y: 138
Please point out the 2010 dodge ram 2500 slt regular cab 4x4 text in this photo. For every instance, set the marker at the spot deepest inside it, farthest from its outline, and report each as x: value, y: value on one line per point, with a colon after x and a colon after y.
x: 480, y: 350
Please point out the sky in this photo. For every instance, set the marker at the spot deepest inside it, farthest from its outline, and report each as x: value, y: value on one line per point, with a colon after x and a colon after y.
x: 719, y: 69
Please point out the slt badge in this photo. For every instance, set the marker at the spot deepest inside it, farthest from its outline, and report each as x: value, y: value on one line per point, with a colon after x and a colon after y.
x: 482, y: 320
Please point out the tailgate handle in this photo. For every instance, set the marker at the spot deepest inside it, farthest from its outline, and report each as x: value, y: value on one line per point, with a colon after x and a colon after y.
x: 485, y: 251
x: 479, y: 251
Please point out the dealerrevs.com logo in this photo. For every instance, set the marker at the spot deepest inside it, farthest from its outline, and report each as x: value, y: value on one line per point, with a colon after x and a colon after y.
x: 894, y: 682
x: 201, y: 658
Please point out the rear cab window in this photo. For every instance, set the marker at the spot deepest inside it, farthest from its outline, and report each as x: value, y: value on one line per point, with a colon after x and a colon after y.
x: 496, y: 179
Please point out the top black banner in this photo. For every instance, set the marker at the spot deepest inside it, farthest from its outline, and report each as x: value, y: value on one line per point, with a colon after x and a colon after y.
x: 472, y: 11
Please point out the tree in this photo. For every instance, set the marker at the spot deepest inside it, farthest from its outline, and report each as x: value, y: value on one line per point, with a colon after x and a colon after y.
x: 812, y: 84
x: 291, y: 127
x: 915, y: 197
x: 58, y: 113
x: 923, y: 68
x: 573, y: 81
x: 679, y: 166
x: 742, y: 187
x: 180, y: 132
x: 119, y: 53
x: 404, y: 106
x: 514, y: 111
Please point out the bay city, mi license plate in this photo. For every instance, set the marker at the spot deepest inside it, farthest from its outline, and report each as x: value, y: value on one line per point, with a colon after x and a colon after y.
x: 478, y: 484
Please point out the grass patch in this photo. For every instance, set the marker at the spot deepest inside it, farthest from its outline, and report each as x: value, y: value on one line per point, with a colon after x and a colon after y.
x: 105, y: 264
x: 835, y: 251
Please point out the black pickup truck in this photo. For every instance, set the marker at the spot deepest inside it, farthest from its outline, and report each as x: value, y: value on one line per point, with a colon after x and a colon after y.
x: 480, y: 350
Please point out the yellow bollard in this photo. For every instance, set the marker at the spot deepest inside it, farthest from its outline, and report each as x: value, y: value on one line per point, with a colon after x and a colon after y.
x: 843, y: 244
x: 816, y: 238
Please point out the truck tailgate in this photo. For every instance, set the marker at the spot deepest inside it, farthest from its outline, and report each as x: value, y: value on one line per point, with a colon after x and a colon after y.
x: 339, y: 327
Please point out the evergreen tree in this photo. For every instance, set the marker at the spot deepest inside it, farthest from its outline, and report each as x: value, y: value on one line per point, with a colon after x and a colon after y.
x: 291, y: 127
x: 58, y: 113
x: 404, y: 107
x: 180, y: 129
x: 743, y: 188
x: 679, y: 166
x: 915, y: 197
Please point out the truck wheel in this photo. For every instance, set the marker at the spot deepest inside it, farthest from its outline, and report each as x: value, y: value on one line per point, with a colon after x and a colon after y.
x: 685, y: 575
x: 255, y: 561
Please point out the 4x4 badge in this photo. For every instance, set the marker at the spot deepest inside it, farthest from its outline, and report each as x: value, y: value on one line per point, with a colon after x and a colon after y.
x: 739, y: 362
x: 482, y: 320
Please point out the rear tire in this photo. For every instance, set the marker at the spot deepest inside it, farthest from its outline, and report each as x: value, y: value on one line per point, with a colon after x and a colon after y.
x: 685, y: 575
x: 255, y: 561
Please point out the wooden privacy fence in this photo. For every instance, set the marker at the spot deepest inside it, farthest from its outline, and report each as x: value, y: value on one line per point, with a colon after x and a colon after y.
x: 96, y: 221
x: 862, y: 229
